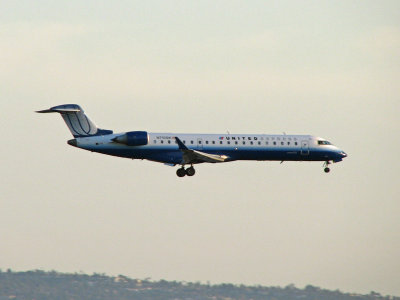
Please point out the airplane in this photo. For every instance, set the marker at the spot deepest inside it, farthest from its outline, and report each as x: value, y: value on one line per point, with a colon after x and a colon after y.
x: 189, y: 149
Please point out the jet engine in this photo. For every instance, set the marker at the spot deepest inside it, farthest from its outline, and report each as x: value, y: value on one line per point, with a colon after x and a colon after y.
x: 133, y: 138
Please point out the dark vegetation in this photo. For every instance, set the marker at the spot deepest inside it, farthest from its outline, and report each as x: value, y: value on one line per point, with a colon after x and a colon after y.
x: 42, y: 285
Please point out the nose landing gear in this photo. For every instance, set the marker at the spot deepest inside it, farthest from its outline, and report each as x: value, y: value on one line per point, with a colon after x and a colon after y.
x: 181, y: 172
x: 326, y: 165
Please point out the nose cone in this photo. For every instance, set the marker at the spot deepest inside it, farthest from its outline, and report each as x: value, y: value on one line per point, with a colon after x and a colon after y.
x: 341, y: 154
x: 338, y: 155
x: 72, y: 142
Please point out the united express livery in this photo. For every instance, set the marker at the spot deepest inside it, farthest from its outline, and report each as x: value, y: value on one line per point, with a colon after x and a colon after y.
x: 189, y: 149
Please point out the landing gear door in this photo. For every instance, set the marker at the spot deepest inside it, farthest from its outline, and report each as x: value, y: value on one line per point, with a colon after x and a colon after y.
x: 200, y: 144
x: 305, y: 148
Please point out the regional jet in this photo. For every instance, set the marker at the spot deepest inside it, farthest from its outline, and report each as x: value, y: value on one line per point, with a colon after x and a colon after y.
x: 179, y: 149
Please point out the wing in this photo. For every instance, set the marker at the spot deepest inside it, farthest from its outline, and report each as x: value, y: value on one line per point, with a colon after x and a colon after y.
x: 194, y: 157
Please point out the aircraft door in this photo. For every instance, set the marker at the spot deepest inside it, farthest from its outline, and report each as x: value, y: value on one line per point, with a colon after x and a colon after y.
x: 200, y: 144
x: 305, y: 148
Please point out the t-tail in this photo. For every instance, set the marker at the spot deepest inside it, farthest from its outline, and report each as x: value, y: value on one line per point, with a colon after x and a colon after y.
x: 77, y: 121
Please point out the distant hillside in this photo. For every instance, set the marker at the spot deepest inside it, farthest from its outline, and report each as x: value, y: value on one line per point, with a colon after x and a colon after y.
x: 40, y: 285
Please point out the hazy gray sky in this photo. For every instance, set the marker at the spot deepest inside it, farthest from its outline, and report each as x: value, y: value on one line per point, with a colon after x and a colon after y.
x: 327, y: 68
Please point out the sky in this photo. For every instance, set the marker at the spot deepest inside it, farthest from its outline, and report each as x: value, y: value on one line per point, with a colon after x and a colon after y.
x: 326, y: 68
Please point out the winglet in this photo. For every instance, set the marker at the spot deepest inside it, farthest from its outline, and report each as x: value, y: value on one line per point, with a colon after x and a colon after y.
x: 180, y: 144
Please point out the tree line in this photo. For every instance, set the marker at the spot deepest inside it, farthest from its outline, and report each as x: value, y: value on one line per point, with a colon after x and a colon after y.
x: 43, y: 285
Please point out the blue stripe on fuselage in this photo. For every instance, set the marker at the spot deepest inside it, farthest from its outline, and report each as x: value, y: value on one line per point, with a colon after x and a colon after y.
x: 171, y: 153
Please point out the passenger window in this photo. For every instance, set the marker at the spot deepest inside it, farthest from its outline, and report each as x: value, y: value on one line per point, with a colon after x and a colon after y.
x: 155, y: 142
x: 251, y: 143
x: 259, y: 143
x: 288, y: 143
x: 213, y: 142
x: 199, y: 142
x: 169, y: 142
x: 191, y: 142
x: 295, y: 143
x: 236, y: 142
x: 228, y: 142
x: 207, y: 142
x: 184, y: 142
x: 274, y: 143
x: 244, y: 143
x: 282, y: 143
x: 266, y: 143
x: 220, y: 142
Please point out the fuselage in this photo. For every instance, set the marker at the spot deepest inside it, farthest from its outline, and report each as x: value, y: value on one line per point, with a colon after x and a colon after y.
x: 163, y: 147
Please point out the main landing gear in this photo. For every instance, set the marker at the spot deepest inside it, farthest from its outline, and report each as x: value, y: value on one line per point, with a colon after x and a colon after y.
x: 326, y: 165
x: 181, y: 172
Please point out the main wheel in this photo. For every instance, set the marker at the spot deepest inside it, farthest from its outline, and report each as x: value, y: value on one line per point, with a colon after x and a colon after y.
x: 190, y: 171
x: 181, y: 172
x: 327, y: 170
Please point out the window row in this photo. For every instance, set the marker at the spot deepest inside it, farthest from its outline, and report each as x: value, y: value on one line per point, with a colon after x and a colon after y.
x: 232, y: 142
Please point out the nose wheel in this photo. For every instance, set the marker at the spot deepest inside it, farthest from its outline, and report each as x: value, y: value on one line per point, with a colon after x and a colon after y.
x: 181, y: 172
x: 326, y: 165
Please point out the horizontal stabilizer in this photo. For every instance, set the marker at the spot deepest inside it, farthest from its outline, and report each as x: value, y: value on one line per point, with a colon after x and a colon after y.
x: 58, y: 110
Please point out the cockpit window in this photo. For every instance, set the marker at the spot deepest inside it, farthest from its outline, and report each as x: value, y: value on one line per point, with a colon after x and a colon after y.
x: 324, y: 143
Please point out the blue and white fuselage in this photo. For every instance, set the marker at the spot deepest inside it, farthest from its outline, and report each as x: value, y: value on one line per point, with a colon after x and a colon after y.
x: 189, y: 149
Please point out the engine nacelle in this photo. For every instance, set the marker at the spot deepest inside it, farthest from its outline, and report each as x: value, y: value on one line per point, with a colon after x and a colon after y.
x: 133, y: 138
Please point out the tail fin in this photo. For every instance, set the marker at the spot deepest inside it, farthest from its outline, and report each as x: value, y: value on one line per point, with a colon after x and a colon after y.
x: 77, y: 121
